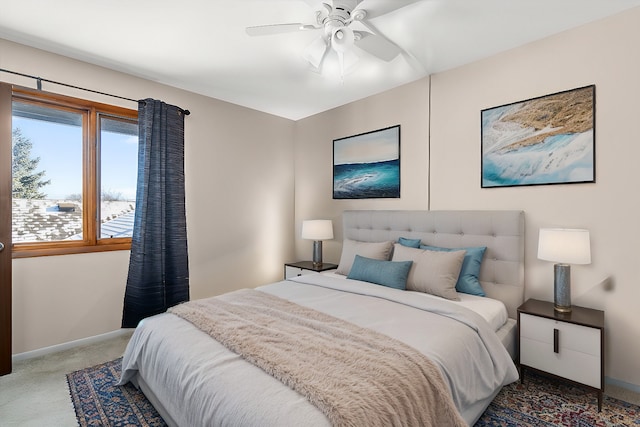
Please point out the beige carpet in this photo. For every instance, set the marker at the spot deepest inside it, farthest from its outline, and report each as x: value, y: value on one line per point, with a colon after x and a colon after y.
x: 36, y: 394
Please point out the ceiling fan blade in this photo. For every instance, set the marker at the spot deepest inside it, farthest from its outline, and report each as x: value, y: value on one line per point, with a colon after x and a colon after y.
x: 317, y: 4
x: 378, y: 46
x: 375, y: 8
x: 313, y: 3
x: 265, y: 30
x: 315, y: 52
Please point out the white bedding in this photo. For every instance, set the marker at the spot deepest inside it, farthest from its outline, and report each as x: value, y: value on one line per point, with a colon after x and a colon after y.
x: 492, y: 310
x: 199, y: 382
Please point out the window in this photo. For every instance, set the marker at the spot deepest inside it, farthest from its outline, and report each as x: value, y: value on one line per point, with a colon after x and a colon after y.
x: 118, y: 169
x: 74, y: 172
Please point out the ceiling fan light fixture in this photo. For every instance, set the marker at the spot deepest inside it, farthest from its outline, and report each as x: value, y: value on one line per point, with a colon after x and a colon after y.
x: 359, y: 15
x: 344, y: 27
x: 342, y: 39
x: 315, y: 52
x: 336, y: 66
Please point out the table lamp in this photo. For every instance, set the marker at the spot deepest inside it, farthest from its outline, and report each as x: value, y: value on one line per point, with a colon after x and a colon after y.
x: 317, y: 230
x: 564, y: 246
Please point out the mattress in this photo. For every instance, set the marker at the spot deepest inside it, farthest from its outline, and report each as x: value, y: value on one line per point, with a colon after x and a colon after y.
x: 193, y: 380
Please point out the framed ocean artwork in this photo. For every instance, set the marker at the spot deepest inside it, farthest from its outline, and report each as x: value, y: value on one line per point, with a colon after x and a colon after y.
x: 367, y: 166
x: 544, y: 140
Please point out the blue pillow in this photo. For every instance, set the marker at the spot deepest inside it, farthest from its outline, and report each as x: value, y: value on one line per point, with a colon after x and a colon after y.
x: 412, y: 243
x: 386, y: 273
x: 468, y: 282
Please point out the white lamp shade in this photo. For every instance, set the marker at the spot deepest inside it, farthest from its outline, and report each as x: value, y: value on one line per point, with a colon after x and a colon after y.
x: 317, y: 229
x: 564, y: 245
x: 342, y: 39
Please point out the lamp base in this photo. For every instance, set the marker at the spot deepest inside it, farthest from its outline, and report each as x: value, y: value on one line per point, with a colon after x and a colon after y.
x: 317, y: 253
x: 560, y: 309
x: 562, y: 288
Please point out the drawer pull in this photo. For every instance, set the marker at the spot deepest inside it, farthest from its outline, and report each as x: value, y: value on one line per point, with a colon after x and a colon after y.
x: 556, y: 341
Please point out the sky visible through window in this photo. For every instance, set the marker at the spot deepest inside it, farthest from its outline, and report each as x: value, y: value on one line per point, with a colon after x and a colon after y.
x: 59, y: 147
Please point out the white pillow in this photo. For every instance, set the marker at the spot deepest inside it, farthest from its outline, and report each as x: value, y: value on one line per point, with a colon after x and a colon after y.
x: 432, y: 272
x: 351, y: 248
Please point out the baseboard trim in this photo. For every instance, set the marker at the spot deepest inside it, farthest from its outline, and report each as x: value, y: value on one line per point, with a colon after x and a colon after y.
x: 67, y: 345
x: 622, y: 384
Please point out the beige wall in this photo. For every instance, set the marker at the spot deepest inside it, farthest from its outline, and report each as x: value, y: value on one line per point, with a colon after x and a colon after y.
x: 602, y: 53
x: 236, y: 175
x: 407, y: 106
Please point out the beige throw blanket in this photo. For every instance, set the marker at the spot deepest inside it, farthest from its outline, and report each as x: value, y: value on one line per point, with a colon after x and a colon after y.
x: 355, y: 376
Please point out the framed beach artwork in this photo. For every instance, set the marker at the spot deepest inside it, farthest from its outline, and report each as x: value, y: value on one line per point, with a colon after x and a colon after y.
x: 544, y: 140
x: 367, y: 166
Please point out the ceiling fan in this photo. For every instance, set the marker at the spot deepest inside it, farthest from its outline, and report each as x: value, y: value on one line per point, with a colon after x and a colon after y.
x: 344, y: 25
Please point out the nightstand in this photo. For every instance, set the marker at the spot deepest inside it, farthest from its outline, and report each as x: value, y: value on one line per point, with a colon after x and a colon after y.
x: 294, y: 269
x: 566, y: 345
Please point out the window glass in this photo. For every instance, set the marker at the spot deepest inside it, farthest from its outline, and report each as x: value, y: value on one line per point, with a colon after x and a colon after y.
x: 74, y: 172
x: 118, y: 175
x: 47, y: 175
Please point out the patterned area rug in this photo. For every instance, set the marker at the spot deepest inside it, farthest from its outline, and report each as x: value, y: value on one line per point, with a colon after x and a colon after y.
x: 98, y: 401
x: 543, y: 401
x: 540, y: 401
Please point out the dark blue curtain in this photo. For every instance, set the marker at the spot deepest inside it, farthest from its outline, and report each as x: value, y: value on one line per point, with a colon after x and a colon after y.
x: 158, y: 266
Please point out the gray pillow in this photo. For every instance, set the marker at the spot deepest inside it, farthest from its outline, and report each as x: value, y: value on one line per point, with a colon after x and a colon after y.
x: 351, y: 248
x: 432, y: 272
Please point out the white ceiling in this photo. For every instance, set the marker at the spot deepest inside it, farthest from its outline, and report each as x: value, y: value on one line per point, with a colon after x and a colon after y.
x: 202, y: 46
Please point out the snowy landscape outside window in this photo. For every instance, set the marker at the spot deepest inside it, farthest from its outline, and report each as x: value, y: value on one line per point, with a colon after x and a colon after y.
x: 118, y: 175
x: 74, y: 172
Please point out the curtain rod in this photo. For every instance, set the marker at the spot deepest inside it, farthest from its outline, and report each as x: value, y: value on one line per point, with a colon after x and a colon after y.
x: 39, y: 81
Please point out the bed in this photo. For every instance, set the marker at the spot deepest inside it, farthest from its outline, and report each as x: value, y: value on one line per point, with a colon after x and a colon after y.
x: 193, y: 379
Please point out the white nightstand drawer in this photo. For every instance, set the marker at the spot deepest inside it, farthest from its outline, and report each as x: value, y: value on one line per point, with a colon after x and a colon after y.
x: 290, y: 272
x: 569, y: 345
x: 581, y: 367
x: 570, y: 336
x: 575, y: 355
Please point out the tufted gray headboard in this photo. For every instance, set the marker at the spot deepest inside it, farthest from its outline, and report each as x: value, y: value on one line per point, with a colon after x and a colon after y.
x: 502, y: 232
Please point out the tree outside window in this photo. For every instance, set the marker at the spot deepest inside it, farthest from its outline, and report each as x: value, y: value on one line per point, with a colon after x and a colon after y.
x: 27, y: 182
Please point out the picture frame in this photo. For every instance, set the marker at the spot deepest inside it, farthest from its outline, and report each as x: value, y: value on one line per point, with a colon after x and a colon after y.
x: 367, y: 165
x: 545, y: 140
